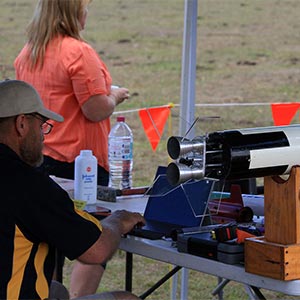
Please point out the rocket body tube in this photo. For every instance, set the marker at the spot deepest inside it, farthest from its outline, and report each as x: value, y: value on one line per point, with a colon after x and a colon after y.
x: 239, y: 154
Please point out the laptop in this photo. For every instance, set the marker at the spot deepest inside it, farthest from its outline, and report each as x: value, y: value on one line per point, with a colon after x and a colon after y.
x: 170, y: 208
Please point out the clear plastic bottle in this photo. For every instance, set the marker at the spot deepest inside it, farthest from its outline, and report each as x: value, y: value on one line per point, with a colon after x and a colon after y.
x: 85, y: 177
x: 120, y: 155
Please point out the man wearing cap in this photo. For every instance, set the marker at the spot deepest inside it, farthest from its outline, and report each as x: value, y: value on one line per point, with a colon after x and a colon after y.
x: 37, y: 216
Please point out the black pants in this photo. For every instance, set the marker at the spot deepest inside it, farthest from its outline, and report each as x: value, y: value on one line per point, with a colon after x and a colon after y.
x: 66, y: 170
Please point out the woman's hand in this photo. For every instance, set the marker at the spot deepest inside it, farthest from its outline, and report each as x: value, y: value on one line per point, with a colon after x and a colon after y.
x: 100, y: 107
x: 120, y: 94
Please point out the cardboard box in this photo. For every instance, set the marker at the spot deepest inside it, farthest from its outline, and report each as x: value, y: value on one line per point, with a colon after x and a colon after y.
x: 272, y: 260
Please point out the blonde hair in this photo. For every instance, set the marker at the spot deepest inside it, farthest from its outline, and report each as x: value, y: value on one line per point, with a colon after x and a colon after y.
x: 50, y: 19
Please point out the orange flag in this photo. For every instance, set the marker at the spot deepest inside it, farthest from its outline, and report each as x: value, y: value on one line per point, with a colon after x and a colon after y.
x: 283, y: 113
x: 154, y: 120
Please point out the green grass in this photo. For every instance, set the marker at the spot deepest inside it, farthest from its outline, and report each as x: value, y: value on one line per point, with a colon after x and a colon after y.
x: 247, y: 51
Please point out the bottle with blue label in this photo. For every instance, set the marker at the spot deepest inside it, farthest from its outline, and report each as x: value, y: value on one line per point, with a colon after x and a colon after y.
x: 85, y: 177
x: 120, y: 155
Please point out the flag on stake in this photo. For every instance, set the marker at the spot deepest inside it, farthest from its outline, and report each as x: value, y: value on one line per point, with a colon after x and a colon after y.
x: 283, y: 113
x: 154, y: 120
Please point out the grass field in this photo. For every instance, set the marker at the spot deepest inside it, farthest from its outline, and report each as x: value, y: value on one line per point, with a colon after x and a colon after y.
x: 247, y: 52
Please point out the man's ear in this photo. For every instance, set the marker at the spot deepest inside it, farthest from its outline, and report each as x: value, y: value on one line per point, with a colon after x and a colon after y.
x: 21, y: 125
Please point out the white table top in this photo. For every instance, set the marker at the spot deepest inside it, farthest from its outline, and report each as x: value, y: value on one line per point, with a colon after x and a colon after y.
x: 136, y: 203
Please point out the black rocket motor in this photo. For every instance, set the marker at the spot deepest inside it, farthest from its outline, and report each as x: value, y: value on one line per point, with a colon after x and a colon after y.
x: 235, y: 154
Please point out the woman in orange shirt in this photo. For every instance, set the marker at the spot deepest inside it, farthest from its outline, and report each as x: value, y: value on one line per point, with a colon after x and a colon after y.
x: 73, y: 81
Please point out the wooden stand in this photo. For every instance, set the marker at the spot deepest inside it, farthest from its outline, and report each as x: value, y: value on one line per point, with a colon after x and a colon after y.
x: 277, y: 254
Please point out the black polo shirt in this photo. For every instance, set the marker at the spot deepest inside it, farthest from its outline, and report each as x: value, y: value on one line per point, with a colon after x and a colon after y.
x: 36, y: 217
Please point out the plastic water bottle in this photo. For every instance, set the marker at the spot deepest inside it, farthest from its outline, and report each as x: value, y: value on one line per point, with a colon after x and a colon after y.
x: 120, y: 155
x: 85, y: 177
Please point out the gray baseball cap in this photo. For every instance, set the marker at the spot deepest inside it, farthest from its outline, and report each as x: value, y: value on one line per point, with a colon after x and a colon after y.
x: 18, y: 97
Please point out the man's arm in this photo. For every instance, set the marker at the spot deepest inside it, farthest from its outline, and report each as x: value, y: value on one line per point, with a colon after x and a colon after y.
x: 113, y: 227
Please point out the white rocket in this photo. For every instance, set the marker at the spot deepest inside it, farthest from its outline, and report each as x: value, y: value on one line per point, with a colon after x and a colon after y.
x: 235, y: 154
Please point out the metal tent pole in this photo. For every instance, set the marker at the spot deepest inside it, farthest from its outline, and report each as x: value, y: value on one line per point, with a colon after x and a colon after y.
x: 188, y: 72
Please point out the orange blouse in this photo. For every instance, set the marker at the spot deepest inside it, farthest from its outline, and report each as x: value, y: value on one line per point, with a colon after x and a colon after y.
x: 72, y: 72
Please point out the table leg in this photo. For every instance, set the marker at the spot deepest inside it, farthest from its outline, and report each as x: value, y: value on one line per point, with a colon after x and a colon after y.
x: 128, y: 274
x: 254, y: 293
x: 160, y: 282
x: 219, y: 289
x: 184, y: 283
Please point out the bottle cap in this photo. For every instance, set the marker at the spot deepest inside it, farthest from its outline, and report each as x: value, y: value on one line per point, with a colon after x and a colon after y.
x: 86, y: 152
x: 120, y: 119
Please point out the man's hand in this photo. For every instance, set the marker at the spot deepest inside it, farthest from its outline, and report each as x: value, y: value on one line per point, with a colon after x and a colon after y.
x: 124, y: 220
x: 113, y: 227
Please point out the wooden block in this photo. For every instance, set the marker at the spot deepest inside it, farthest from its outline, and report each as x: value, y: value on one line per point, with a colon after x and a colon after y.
x: 282, y: 208
x: 272, y: 260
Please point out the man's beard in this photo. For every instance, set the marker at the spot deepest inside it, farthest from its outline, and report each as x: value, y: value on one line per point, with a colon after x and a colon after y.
x: 31, y: 150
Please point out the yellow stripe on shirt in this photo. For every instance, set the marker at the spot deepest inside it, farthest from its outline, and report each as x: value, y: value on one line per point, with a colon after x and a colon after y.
x: 22, y: 252
x: 42, y: 287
